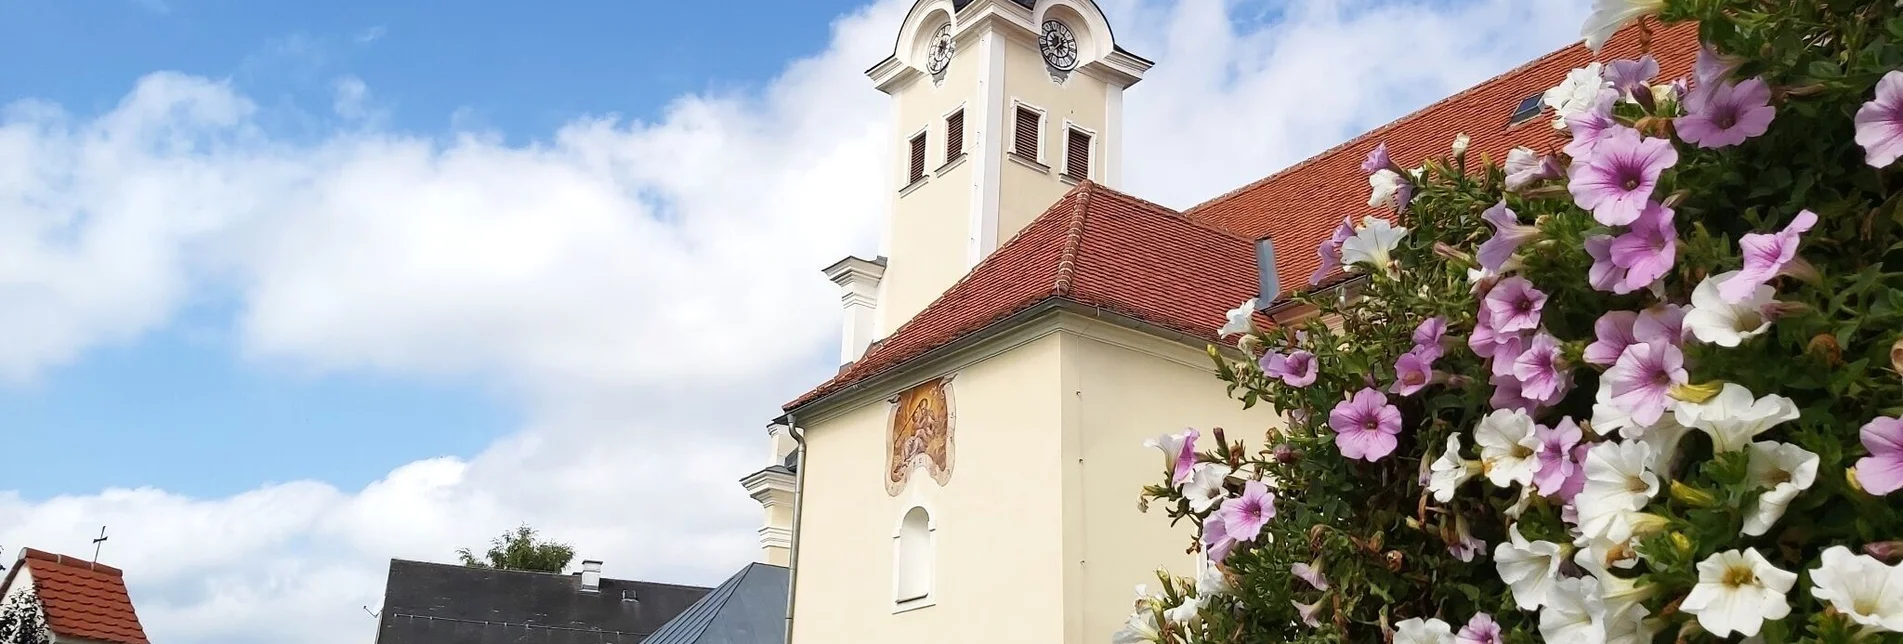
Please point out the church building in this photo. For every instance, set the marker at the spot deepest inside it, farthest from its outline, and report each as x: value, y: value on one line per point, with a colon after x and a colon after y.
x: 971, y: 473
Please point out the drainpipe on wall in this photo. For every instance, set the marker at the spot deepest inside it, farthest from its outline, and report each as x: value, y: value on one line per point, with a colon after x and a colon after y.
x: 799, y: 497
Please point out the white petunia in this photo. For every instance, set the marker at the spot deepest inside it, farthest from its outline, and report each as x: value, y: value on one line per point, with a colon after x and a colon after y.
x: 1186, y: 612
x: 1509, y: 450
x: 1461, y: 141
x: 1624, y: 598
x: 1450, y: 471
x: 1619, y: 483
x: 1574, y: 613
x: 1734, y: 417
x: 1371, y: 244
x: 1210, y: 580
x: 1715, y: 321
x: 1241, y: 320
x: 1862, y: 587
x: 1609, y: 16
x: 1141, y: 629
x: 1529, y: 567
x: 1384, y: 188
x: 1737, y: 592
x: 1417, y: 631
x: 1575, y: 94
x: 1786, y: 470
x: 1204, y: 487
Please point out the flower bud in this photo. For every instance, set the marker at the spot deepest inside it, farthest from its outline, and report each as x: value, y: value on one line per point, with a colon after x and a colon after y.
x: 1445, y: 251
x: 1682, y: 544
x: 1693, y: 496
x: 1249, y: 343
x: 1413, y: 523
x: 1889, y: 552
x: 1780, y: 309
x: 1394, y: 560
x: 1824, y: 346
x: 1896, y: 355
x: 1697, y: 393
x: 1802, y: 269
x: 1315, y: 535
x: 1850, y: 476
x: 1286, y: 454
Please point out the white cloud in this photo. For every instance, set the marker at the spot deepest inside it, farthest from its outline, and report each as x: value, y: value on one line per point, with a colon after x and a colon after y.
x: 647, y: 290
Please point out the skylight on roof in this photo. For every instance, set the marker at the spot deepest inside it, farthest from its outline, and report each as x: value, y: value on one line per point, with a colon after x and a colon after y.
x: 1528, y: 110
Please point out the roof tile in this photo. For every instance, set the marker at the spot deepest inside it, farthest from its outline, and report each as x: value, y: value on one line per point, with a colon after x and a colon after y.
x: 83, y: 599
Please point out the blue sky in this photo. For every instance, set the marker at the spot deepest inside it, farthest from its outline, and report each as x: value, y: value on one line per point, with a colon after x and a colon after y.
x: 179, y: 408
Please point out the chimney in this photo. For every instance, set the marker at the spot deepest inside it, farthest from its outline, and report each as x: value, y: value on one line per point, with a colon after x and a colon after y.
x: 858, y: 281
x: 1268, y: 287
x: 591, y: 576
x: 772, y: 487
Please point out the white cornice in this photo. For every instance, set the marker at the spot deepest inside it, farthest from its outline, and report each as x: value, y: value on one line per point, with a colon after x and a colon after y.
x: 776, y: 537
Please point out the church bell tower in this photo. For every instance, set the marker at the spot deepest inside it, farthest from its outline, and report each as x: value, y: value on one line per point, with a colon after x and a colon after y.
x: 999, y: 107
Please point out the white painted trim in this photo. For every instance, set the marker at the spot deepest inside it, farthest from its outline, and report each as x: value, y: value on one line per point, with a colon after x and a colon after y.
x: 945, y: 156
x: 1091, y: 167
x: 1043, y: 126
x: 985, y: 186
x: 1112, y: 148
x: 900, y: 605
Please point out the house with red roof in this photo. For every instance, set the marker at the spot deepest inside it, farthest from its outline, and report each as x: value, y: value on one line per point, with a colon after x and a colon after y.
x: 971, y: 471
x: 80, y: 601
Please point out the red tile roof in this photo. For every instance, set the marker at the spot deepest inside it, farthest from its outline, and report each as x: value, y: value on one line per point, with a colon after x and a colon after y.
x: 1181, y: 272
x: 81, y: 599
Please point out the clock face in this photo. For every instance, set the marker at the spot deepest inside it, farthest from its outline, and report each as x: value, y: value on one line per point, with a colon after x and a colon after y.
x: 939, y: 55
x: 1059, y: 46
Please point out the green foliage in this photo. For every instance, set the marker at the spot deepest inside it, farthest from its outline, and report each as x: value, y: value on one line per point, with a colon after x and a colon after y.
x: 23, y: 621
x: 519, y: 549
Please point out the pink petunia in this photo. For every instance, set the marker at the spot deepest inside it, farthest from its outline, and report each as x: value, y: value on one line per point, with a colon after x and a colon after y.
x: 1216, y: 539
x: 1642, y: 378
x: 1612, y: 332
x: 1330, y: 251
x: 1479, y: 630
x: 1663, y: 322
x: 1617, y: 181
x: 1412, y: 372
x: 1647, y: 251
x: 1428, y: 336
x: 1524, y: 166
x: 1185, y: 457
x: 1508, y: 235
x: 1725, y: 114
x: 1628, y: 77
x: 1556, y: 455
x: 1311, y: 574
x: 1365, y: 426
x: 1540, y: 369
x: 1507, y: 395
x: 1881, y: 472
x: 1298, y: 369
x: 1880, y: 122
x: 1591, y: 126
x: 1514, y: 305
x: 1244, y: 516
x: 1604, y: 275
x: 1765, y: 257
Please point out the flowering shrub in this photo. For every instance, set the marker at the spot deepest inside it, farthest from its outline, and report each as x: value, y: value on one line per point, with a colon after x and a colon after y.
x: 1644, y: 388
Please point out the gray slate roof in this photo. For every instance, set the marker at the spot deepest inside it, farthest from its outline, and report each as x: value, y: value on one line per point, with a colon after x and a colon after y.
x: 749, y: 608
x: 431, y: 603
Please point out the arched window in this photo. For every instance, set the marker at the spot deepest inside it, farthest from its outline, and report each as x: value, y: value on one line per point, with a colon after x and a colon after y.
x: 912, y: 561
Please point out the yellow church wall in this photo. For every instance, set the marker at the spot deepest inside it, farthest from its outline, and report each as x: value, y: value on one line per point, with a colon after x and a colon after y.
x: 997, y: 520
x: 1079, y: 100
x: 1120, y: 388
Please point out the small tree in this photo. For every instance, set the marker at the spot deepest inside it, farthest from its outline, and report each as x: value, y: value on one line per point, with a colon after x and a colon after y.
x: 22, y: 621
x: 518, y: 549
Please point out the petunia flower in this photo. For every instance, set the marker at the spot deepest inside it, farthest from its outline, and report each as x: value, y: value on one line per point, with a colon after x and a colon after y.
x: 1240, y: 320
x: 1619, y: 483
x: 1508, y: 235
x: 1488, y: 343
x: 1593, y: 125
x: 1524, y: 166
x: 1506, y: 395
x: 1725, y: 114
x: 1881, y: 472
x: 1384, y: 189
x: 1711, y: 67
x: 1465, y: 547
x: 1574, y: 612
x: 1767, y: 256
x: 1542, y: 372
x: 1450, y: 471
x: 1244, y: 516
x: 1784, y: 470
x: 1428, y: 336
x: 1629, y: 77
x: 1330, y: 251
x: 1530, y: 568
x: 1297, y: 369
x: 1617, y: 181
x: 1371, y: 244
x: 1365, y: 426
x: 1211, y: 581
x: 1514, y: 305
x: 1216, y: 539
x: 1555, y: 455
x: 1507, y: 447
x: 1461, y: 141
x: 1418, y: 631
x: 1642, y: 378
x: 1412, y: 372
x: 1646, y: 251
x: 1604, y: 275
x: 1624, y: 601
x: 1187, y: 611
x: 1608, y: 16
x: 1311, y: 573
x: 1574, y: 94
x: 1142, y: 628
x: 1179, y: 453
x: 1735, y: 416
x: 1204, y: 488
x: 1880, y: 122
x: 1738, y: 591
x: 1660, y: 322
x: 1481, y: 629
x: 1866, y: 590
x: 1309, y: 612
x: 1726, y: 324
x: 1378, y: 160
x: 1612, y: 333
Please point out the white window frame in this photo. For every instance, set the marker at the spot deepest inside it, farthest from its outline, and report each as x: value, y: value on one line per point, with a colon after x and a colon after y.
x: 964, y: 144
x: 906, y: 184
x: 1090, y: 164
x: 902, y: 604
x: 1043, y: 119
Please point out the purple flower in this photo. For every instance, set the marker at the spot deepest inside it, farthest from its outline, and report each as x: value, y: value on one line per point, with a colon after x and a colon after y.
x: 1514, y: 305
x: 1642, y: 377
x: 1604, y: 275
x: 1412, y: 372
x: 1310, y: 574
x: 1507, y: 395
x: 1429, y: 334
x: 1508, y: 235
x: 1540, y: 370
x: 1881, y: 472
x: 1710, y: 67
x: 1186, y: 457
x: 1613, y: 331
x: 1765, y: 256
x: 1647, y: 251
x: 1365, y: 426
x: 1465, y: 547
x: 1298, y: 369
x: 1880, y: 122
x: 1330, y: 251
x: 1488, y: 343
x: 1630, y: 76
x: 1576, y: 481
x: 1725, y: 114
x: 1244, y: 516
x: 1479, y: 630
x: 1616, y: 182
x: 1378, y: 160
x: 1525, y: 166
x: 1556, y: 456
x: 1216, y: 539
x: 1661, y: 322
x: 1592, y: 126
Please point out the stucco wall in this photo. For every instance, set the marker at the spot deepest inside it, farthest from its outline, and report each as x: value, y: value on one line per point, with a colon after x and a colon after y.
x: 997, y: 520
x: 1079, y: 100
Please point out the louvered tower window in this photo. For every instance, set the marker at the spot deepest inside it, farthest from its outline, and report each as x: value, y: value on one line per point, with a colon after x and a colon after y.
x: 954, y: 135
x: 918, y: 160
x: 1026, y: 133
x: 1077, y: 154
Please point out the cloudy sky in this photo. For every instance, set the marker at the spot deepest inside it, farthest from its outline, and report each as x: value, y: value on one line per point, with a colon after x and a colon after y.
x: 289, y: 289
